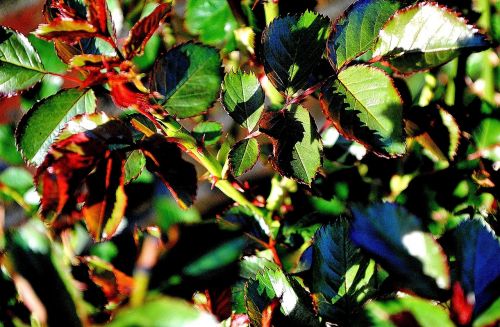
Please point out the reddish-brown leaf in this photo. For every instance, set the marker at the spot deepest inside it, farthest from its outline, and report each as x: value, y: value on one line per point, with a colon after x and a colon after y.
x: 67, y: 30
x: 165, y: 159
x: 142, y: 31
x: 98, y: 15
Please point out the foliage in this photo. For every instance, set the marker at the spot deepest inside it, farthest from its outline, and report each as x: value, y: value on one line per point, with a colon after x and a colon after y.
x: 385, y: 215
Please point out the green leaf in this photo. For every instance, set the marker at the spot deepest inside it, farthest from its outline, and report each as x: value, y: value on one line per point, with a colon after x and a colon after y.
x: 208, y: 132
x: 20, y: 64
x: 39, y: 128
x: 243, y: 156
x: 426, y: 35
x: 397, y: 240
x: 489, y: 317
x: 189, y: 77
x: 297, y: 145
x: 356, y: 31
x: 134, y: 165
x: 8, y: 151
x: 243, y: 98
x: 342, y: 276
x: 163, y: 311
x: 212, y: 20
x: 408, y: 311
x: 365, y: 106
x: 487, y: 137
x: 17, y: 178
x: 168, y: 213
x: 292, y: 47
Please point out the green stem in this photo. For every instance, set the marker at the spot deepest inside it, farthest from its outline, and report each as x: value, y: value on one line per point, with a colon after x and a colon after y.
x: 271, y: 11
x: 488, y: 74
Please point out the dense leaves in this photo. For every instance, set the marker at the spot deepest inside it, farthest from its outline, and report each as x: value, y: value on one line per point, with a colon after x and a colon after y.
x: 286, y: 65
x: 189, y: 78
x: 20, y: 65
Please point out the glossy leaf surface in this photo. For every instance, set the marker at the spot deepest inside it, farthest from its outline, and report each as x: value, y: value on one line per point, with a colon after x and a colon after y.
x: 425, y: 36
x: 67, y: 30
x: 296, y: 143
x: 286, y: 63
x: 39, y: 128
x: 20, y: 64
x: 368, y: 110
x: 189, y: 77
x: 243, y: 156
x: 243, y: 98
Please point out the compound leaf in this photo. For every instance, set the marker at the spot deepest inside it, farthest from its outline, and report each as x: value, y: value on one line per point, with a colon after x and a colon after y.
x: 243, y: 156
x: 243, y: 98
x: 364, y: 105
x: 426, y: 35
x: 20, y: 64
x: 39, y: 128
x: 189, y: 77
x: 286, y: 63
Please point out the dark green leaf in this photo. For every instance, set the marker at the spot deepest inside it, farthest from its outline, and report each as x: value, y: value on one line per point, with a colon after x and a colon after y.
x: 249, y: 223
x: 243, y: 156
x: 426, y: 35
x: 165, y: 159
x: 364, y: 105
x: 39, y: 128
x: 478, y: 263
x: 343, y: 278
x: 396, y: 238
x: 163, y: 311
x: 356, y: 31
x: 208, y: 132
x: 292, y: 47
x: 297, y: 146
x: 212, y: 20
x: 20, y: 65
x: 8, y: 151
x: 243, y: 98
x: 134, y: 165
x: 189, y: 77
x: 408, y: 311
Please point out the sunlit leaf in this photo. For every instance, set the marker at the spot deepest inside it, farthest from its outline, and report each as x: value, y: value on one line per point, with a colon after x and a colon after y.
x: 163, y: 311
x: 39, y: 128
x: 368, y: 110
x: 487, y: 137
x: 212, y: 20
x: 426, y: 35
x: 356, y: 31
x: 286, y: 63
x: 296, y: 143
x: 408, y: 311
x: 397, y: 240
x: 342, y: 277
x: 134, y: 165
x: 243, y: 156
x: 142, y: 31
x: 20, y: 65
x: 67, y: 30
x: 189, y: 77
x: 243, y: 98
x: 208, y: 132
x: 165, y: 159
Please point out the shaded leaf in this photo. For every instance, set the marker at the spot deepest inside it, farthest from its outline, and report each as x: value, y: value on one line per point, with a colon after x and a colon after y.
x: 66, y: 30
x: 478, y: 264
x: 247, y: 221
x: 142, y: 31
x: 286, y: 63
x: 165, y: 159
x: 163, y: 311
x: 212, y: 20
x: 208, y: 132
x: 426, y: 35
x: 297, y: 146
x: 397, y: 240
x: 243, y: 156
x: 243, y: 98
x: 356, y: 31
x: 408, y: 311
x: 189, y: 77
x: 20, y: 64
x: 490, y: 316
x: 368, y: 110
x: 39, y: 128
x: 342, y: 276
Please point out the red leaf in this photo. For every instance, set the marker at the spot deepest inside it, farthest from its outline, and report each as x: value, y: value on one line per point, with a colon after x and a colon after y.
x: 462, y: 309
x: 165, y: 159
x: 142, y: 31
x: 98, y: 15
x: 67, y: 30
